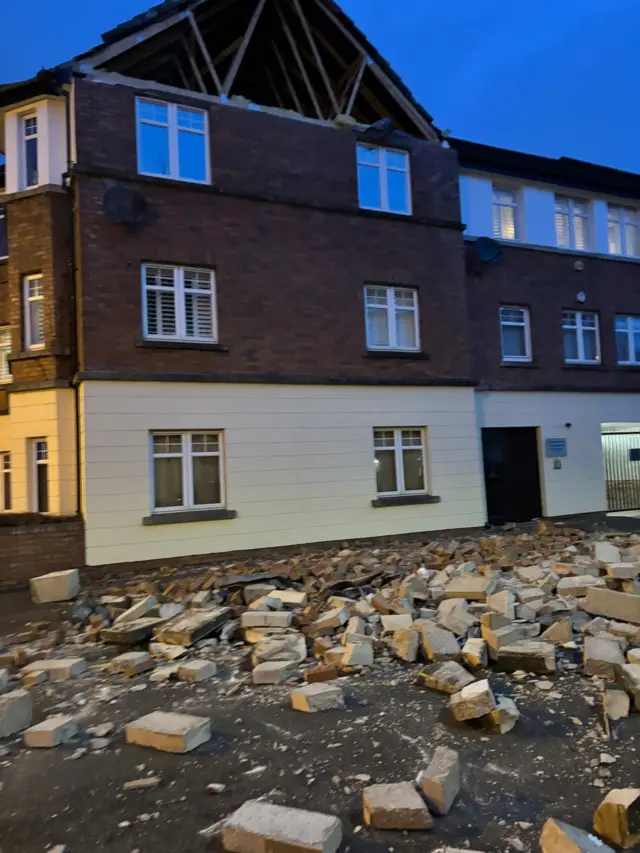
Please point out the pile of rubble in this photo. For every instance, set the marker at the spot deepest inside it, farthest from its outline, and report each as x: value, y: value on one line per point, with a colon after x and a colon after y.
x: 536, y: 603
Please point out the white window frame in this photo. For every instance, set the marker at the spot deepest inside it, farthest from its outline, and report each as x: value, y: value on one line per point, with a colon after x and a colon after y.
x: 397, y: 448
x: 391, y: 317
x: 622, y: 217
x: 580, y: 329
x: 173, y: 134
x: 5, y: 352
x: 24, y: 137
x: 179, y: 291
x: 38, y: 455
x: 30, y: 342
x: 568, y: 206
x: 629, y: 320
x: 5, y: 471
x: 3, y: 218
x: 186, y: 454
x: 525, y: 324
x: 497, y: 205
x: 382, y: 169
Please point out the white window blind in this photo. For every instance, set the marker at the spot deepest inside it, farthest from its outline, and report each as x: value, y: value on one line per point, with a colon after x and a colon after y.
x: 505, y: 208
x: 392, y: 318
x: 572, y: 223
x: 179, y: 303
x: 5, y: 352
x: 623, y: 230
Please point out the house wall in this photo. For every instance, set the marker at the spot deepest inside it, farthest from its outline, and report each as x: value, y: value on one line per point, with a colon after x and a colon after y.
x: 579, y: 486
x: 48, y: 414
x: 299, y: 464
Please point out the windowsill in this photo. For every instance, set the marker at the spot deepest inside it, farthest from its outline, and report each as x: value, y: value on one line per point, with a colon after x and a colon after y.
x: 30, y: 353
x: 188, y: 516
x: 526, y: 364
x: 205, y: 183
x: 584, y: 365
x: 558, y: 250
x: 395, y: 353
x: 374, y: 211
x: 152, y: 343
x: 629, y: 366
x: 405, y: 500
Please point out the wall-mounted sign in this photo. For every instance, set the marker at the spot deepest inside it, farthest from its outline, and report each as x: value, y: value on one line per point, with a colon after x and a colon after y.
x: 555, y: 448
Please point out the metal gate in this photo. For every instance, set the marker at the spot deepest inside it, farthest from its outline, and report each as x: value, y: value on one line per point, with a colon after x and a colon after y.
x: 621, y: 451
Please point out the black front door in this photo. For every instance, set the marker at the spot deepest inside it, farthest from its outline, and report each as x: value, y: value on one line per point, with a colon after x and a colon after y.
x: 511, y: 474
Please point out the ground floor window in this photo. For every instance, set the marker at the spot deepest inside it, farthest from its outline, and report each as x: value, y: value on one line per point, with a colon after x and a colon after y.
x: 39, y: 458
x: 400, y: 461
x: 5, y: 491
x: 187, y: 470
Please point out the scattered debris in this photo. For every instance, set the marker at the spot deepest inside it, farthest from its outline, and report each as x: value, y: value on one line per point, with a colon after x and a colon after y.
x: 395, y: 806
x: 559, y: 837
x: 169, y: 732
x: 55, y: 586
x: 50, y: 732
x: 612, y: 819
x: 317, y: 697
x: 440, y: 782
x: 258, y: 826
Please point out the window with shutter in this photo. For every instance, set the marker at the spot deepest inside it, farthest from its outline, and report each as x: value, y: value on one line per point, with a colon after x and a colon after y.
x: 179, y: 304
x: 572, y: 223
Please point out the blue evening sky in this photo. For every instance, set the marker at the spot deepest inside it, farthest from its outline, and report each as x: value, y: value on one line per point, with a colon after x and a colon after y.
x: 550, y: 77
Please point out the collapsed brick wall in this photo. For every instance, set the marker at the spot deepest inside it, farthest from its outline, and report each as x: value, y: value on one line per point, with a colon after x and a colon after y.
x: 31, y: 549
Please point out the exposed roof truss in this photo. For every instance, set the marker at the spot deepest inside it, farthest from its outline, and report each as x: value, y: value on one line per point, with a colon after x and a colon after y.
x: 301, y: 55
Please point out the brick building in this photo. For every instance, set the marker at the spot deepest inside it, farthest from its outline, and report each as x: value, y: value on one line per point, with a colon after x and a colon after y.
x: 238, y: 310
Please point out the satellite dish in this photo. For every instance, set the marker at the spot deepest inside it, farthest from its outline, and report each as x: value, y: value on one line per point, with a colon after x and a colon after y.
x: 487, y: 249
x: 380, y: 130
x: 124, y: 206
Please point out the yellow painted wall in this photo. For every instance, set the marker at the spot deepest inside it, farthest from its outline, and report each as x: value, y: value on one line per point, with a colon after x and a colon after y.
x: 299, y: 464
x: 46, y: 414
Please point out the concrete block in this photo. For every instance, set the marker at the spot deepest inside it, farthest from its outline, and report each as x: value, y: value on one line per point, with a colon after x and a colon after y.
x: 31, y: 679
x: 559, y: 632
x: 59, y: 669
x: 504, y: 716
x: 316, y: 674
x: 331, y: 620
x: 395, y: 806
x: 253, y: 591
x: 529, y: 574
x: 131, y: 633
x: 470, y: 586
x: 612, y: 820
x: 396, y: 623
x: 474, y: 653
x: 405, y: 644
x: 290, y: 597
x: 285, y: 647
x: 530, y: 655
x: 317, y: 697
x: 503, y: 602
x: 473, y: 701
x: 621, y: 606
x: 448, y: 677
x: 623, y: 571
x: 630, y: 679
x: 602, y: 657
x: 631, y: 633
x: 617, y: 703
x: 51, y: 732
x: 358, y: 654
x: 200, y: 599
x: 170, y: 609
x: 578, y: 586
x: 440, y: 782
x: 16, y: 712
x: 258, y: 827
x: 129, y: 661
x: 454, y: 616
x: 440, y: 645
x: 186, y: 629
x: 559, y: 837
x: 164, y: 673
x: 266, y: 603
x: 55, y: 586
x: 273, y: 671
x: 606, y: 552
x: 356, y: 625
x: 138, y: 610
x: 197, y: 670
x: 633, y: 656
x: 496, y: 638
x: 4, y: 680
x: 266, y: 619
x: 334, y: 656
x: 169, y: 731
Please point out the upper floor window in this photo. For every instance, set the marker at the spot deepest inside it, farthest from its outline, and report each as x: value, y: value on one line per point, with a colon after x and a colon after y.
x: 39, y: 461
x: 5, y: 491
x: 29, y: 150
x: 628, y: 340
x: 4, y: 241
x: 623, y: 230
x: 5, y: 352
x: 572, y: 223
x: 187, y: 470
x: 391, y: 318
x: 172, y: 141
x: 581, y: 337
x: 33, y: 298
x: 505, y: 207
x: 400, y: 461
x: 179, y: 304
x: 384, y: 181
x: 515, y: 334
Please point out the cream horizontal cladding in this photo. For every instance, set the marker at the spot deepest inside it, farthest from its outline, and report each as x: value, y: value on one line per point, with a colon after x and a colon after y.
x: 47, y: 414
x: 579, y: 485
x: 298, y: 464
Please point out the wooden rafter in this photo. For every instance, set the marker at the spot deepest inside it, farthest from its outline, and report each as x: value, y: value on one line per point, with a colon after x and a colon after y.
x: 194, y: 68
x: 126, y: 43
x: 237, y: 59
x: 288, y: 80
x: 316, y: 56
x: 356, y: 86
x: 183, y: 76
x: 274, y: 88
x: 205, y: 52
x: 300, y: 63
x: 232, y: 48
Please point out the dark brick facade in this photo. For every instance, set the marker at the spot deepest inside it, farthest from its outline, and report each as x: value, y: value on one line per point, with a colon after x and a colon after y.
x: 547, y: 283
x: 291, y: 250
x: 28, y: 550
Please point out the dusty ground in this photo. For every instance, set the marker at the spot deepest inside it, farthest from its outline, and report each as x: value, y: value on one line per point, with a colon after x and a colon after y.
x: 261, y: 747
